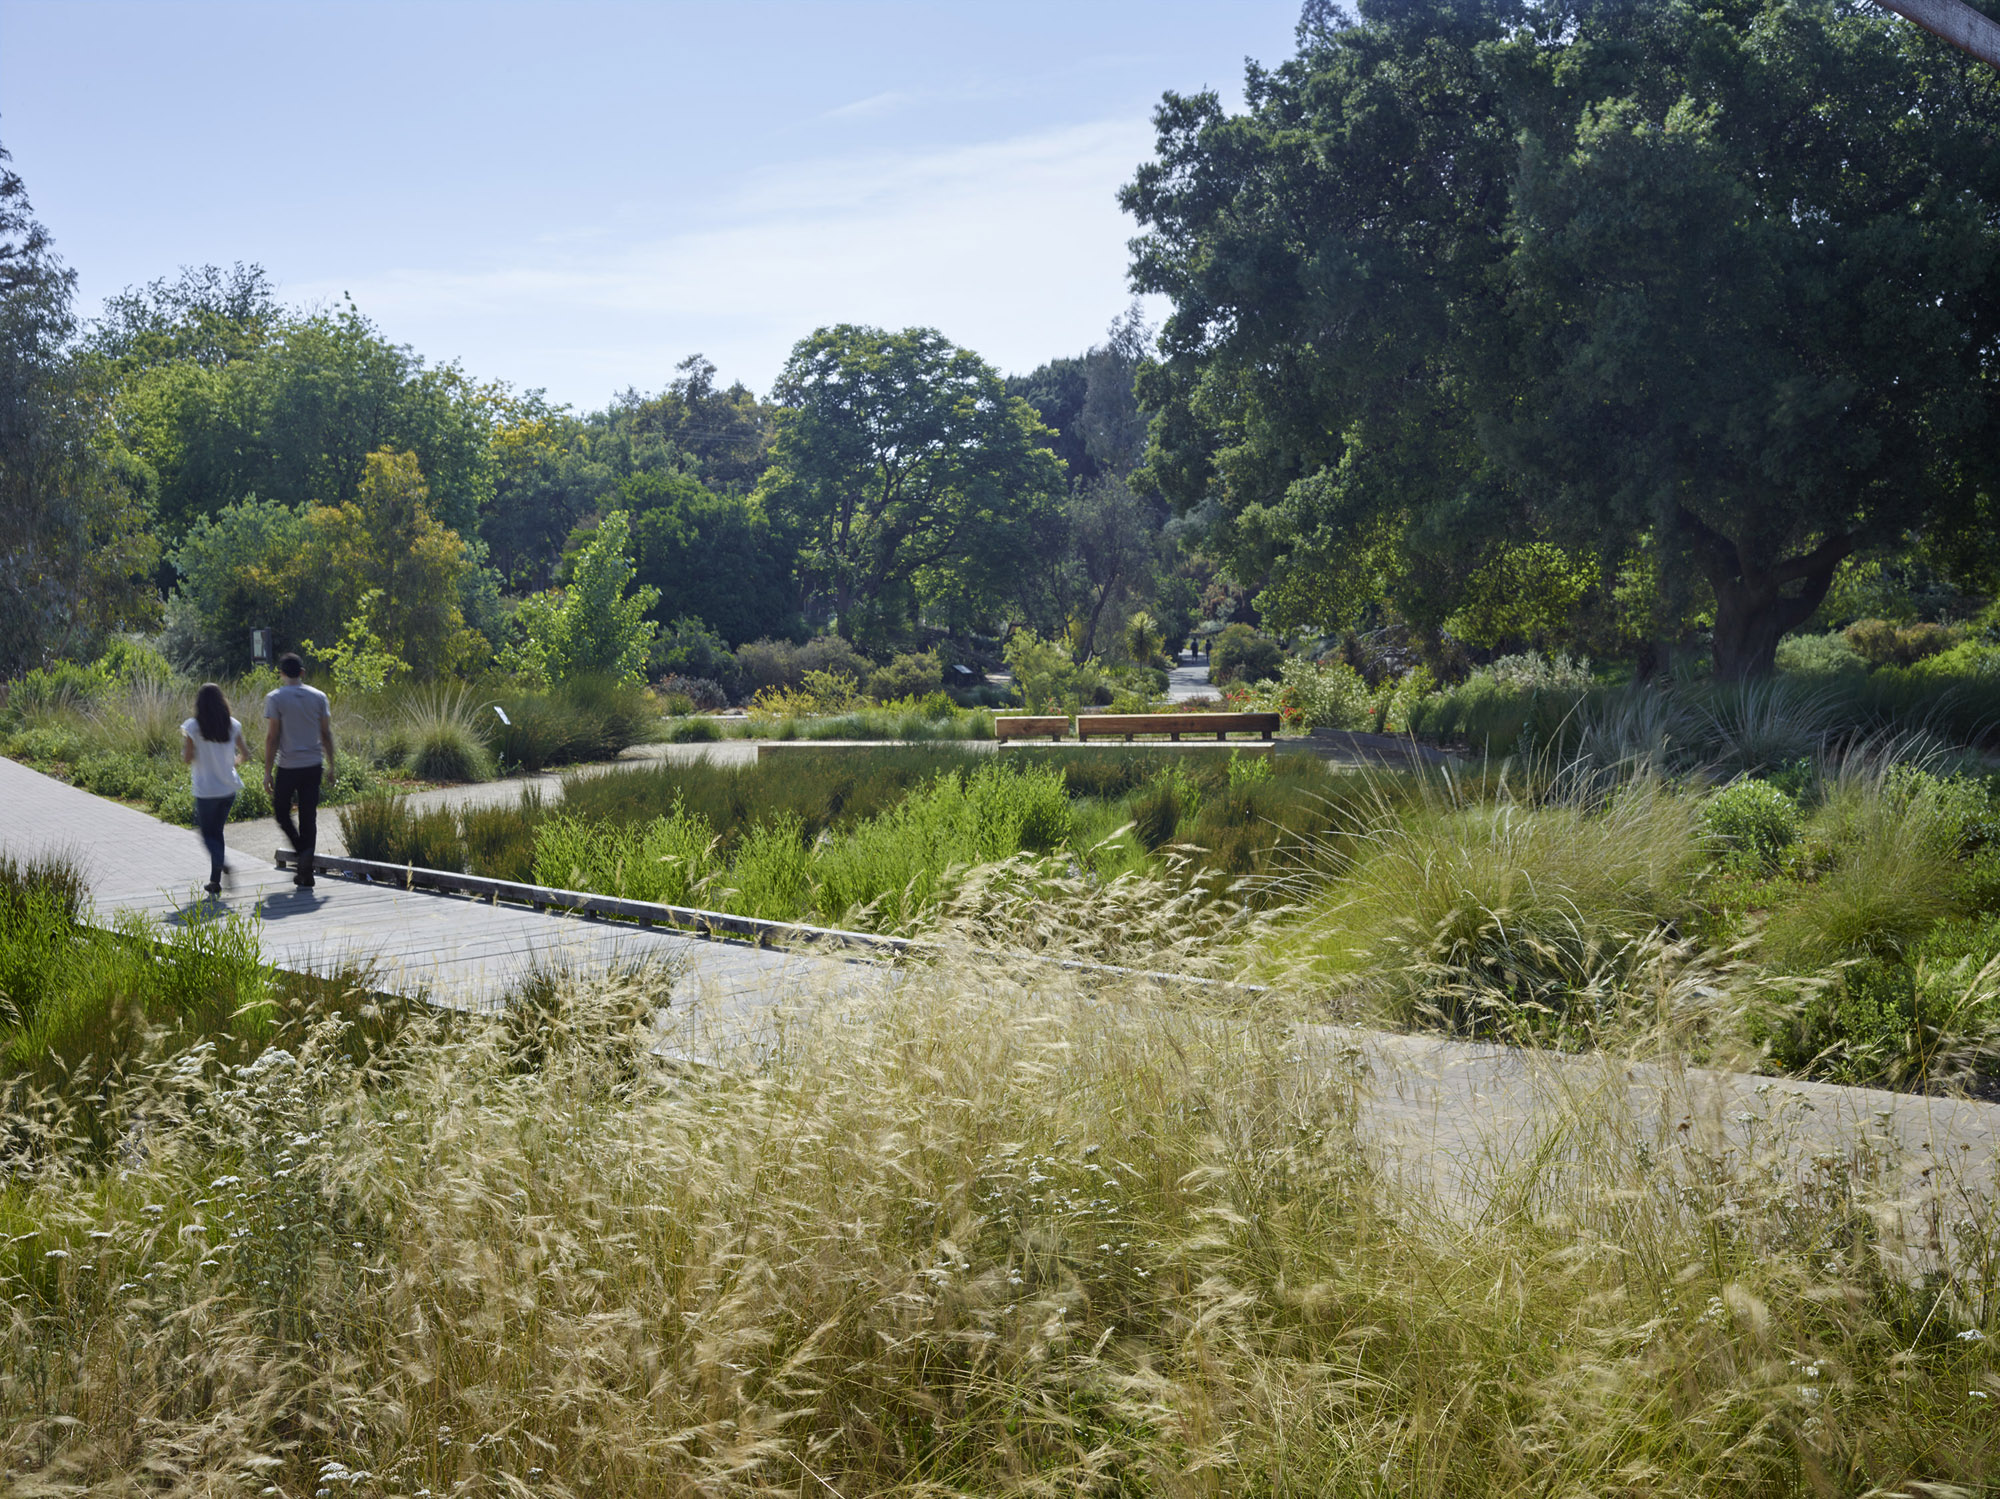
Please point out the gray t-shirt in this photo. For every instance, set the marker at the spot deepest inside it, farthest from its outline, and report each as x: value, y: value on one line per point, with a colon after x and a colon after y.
x: 299, y: 710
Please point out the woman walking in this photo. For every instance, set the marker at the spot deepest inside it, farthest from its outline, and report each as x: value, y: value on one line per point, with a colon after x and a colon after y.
x: 212, y: 744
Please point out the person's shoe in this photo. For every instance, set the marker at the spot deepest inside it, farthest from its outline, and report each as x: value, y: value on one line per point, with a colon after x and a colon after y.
x: 213, y: 887
x: 304, y: 882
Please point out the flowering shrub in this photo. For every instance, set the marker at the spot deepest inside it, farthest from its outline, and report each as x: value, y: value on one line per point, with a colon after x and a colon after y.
x: 1314, y: 694
x: 1531, y: 670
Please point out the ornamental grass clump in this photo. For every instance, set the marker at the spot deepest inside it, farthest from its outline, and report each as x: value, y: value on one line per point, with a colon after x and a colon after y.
x: 1496, y: 910
x: 445, y: 731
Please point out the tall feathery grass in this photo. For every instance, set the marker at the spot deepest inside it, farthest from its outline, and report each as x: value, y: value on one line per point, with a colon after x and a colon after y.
x: 982, y: 1230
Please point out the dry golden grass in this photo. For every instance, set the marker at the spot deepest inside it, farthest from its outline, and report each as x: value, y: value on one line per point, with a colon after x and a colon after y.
x: 976, y: 1232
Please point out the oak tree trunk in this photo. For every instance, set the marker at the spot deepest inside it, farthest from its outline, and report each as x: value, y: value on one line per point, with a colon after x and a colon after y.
x: 1753, y: 615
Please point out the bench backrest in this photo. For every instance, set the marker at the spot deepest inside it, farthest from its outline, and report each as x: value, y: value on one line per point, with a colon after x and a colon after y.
x: 1030, y: 725
x: 1176, y: 724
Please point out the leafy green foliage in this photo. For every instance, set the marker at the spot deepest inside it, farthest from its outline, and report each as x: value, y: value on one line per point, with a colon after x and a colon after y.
x: 671, y: 858
x: 688, y: 648
x: 1049, y: 679
x: 74, y: 546
x: 217, y: 395
x: 1466, y: 280
x: 907, y: 473
x: 1880, y: 643
x: 914, y: 674
x: 593, y: 627
x: 1752, y: 823
x: 1240, y: 654
x: 1322, y: 694
x: 715, y: 557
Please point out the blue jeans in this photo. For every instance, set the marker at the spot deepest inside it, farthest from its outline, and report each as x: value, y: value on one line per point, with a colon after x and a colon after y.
x: 210, y: 814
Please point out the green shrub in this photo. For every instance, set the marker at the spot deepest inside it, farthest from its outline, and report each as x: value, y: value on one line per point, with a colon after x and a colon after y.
x: 135, y: 663
x: 584, y: 719
x: 446, y: 752
x: 1751, y: 823
x: 830, y: 789
x: 1531, y: 671
x: 772, y: 876
x: 80, y: 1007
x: 63, y: 687
x: 1886, y: 844
x: 46, y: 743
x: 433, y: 840
x: 781, y: 664
x: 1240, y: 654
x: 1322, y: 694
x: 122, y: 777
x: 1818, y: 655
x: 1881, y: 643
x: 1163, y: 804
x: 688, y: 648
x: 897, y: 862
x: 500, y: 840
x: 701, y: 694
x: 376, y: 828
x: 907, y: 676
x: 1048, y: 680
x: 1504, y: 915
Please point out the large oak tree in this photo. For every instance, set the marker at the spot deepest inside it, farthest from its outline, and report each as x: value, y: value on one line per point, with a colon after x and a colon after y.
x: 1716, y: 283
x: 907, y: 473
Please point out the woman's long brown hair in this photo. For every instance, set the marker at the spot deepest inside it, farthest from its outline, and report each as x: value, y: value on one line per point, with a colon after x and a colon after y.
x: 211, y: 713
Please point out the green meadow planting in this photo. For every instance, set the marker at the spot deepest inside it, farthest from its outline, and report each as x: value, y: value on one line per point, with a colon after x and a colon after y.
x: 1724, y: 871
x: 868, y: 838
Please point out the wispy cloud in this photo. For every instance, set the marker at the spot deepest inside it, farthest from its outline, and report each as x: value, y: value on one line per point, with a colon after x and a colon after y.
x: 1014, y: 247
x: 874, y: 104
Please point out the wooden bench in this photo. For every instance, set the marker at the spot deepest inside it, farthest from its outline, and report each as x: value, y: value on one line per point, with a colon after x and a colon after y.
x: 1173, y: 725
x: 1030, y: 725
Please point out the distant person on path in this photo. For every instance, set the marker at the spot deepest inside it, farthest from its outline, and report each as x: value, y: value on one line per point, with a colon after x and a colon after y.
x: 212, y: 747
x: 298, y: 735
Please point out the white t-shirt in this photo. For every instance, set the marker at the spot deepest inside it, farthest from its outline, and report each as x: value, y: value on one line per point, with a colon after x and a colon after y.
x: 214, y: 767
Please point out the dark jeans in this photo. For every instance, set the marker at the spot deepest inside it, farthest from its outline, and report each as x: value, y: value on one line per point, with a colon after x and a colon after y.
x: 301, y: 782
x: 210, y: 813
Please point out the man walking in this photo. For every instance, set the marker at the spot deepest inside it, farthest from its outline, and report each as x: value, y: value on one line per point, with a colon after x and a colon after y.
x: 298, y: 735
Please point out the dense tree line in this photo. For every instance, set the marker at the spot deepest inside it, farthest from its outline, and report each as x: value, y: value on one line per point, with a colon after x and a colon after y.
x: 1608, y: 326
x: 202, y: 455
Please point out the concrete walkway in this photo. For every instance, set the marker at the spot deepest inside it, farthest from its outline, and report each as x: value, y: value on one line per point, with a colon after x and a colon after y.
x: 460, y: 952
x: 1456, y: 1116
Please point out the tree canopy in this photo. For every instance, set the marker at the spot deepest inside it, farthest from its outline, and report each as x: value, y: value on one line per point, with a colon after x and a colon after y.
x: 1712, y: 287
x: 907, y: 473
x: 74, y: 548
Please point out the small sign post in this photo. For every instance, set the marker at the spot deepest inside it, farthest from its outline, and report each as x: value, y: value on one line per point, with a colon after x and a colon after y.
x: 260, y: 647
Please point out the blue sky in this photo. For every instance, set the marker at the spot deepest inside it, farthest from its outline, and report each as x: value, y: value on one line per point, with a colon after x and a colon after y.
x: 577, y: 195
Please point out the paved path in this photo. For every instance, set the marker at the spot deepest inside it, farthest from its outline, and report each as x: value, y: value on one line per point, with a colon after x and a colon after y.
x: 1455, y: 1115
x: 460, y: 951
x: 1184, y: 682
